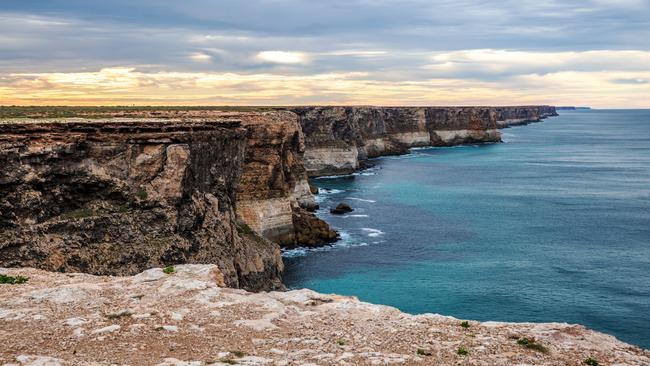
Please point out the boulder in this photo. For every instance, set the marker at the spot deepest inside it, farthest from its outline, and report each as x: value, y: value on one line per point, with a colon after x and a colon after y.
x: 341, y: 208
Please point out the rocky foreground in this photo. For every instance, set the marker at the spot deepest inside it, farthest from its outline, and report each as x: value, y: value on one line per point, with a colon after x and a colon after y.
x: 187, y: 317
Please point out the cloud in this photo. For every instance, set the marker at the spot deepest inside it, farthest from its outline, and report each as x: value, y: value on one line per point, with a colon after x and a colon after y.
x: 340, y: 51
x: 488, y: 63
x: 200, y: 57
x: 128, y: 85
x: 282, y: 57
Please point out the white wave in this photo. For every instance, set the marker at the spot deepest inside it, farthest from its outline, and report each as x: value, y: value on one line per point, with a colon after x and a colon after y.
x: 346, y: 241
x: 361, y: 199
x: 356, y: 215
x: 326, y: 191
x: 373, y: 233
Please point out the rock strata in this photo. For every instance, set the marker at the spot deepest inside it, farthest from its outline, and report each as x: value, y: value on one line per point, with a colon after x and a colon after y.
x: 274, y: 195
x: 339, y: 140
x: 120, y: 196
x: 188, y: 318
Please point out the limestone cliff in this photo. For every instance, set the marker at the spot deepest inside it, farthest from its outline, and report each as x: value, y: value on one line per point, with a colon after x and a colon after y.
x: 120, y: 196
x: 340, y: 139
x: 512, y: 116
x: 274, y: 196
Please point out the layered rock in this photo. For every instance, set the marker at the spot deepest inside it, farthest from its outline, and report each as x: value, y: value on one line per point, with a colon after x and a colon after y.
x: 187, y: 318
x: 339, y: 140
x: 119, y: 196
x: 274, y: 197
x: 513, y: 116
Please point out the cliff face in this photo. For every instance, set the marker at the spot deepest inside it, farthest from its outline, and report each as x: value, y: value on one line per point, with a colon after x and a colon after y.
x: 274, y: 196
x: 512, y: 116
x: 339, y: 139
x: 118, y: 197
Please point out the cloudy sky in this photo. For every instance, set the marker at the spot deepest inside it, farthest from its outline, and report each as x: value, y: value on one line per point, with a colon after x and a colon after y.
x: 261, y: 52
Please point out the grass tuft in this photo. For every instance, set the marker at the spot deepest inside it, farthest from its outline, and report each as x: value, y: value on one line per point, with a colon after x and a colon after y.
x: 530, y: 343
x: 423, y: 352
x: 78, y: 214
x: 10, y: 280
x: 142, y: 194
x: 462, y: 351
x: 244, y: 229
x: 465, y: 324
x: 340, y: 342
x: 591, y: 362
x: 169, y: 269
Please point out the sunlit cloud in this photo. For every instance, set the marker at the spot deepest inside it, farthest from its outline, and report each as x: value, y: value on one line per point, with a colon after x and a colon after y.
x: 128, y: 85
x: 200, y: 57
x: 282, y: 57
x: 583, y: 52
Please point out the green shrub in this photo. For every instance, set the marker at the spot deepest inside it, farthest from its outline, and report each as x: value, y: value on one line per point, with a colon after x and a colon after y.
x: 78, y: 214
x: 142, y: 194
x: 591, y: 362
x: 244, y: 229
x: 340, y: 342
x: 531, y: 344
x: 423, y: 352
x: 10, y: 280
x: 462, y: 351
x: 465, y: 324
x: 169, y: 269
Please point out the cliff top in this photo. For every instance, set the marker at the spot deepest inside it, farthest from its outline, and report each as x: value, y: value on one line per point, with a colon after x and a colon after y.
x: 57, y: 112
x: 186, y: 317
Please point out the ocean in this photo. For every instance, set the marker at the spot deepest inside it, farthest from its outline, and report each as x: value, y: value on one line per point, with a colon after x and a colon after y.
x: 553, y: 225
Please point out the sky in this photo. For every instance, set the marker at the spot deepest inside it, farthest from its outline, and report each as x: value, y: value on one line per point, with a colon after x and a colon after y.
x: 345, y: 52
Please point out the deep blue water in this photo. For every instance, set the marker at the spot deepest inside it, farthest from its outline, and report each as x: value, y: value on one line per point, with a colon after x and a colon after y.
x: 552, y: 225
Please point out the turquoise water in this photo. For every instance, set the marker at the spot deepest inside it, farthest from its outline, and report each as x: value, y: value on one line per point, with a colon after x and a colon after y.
x: 552, y: 225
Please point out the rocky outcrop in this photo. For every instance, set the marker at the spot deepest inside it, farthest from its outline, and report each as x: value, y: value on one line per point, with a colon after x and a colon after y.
x: 513, y: 116
x: 141, y: 188
x: 188, y: 318
x: 119, y: 196
x: 274, y: 196
x: 339, y: 140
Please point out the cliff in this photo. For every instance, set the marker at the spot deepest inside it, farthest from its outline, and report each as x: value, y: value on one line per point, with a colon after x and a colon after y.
x: 125, y: 189
x: 188, y: 318
x: 273, y: 195
x: 120, y: 196
x: 513, y: 116
x: 339, y: 140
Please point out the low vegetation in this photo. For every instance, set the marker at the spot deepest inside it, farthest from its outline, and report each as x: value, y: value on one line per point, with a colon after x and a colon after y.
x: 108, y: 111
x: 244, y: 229
x: 591, y: 362
x: 340, y: 342
x: 78, y: 214
x: 142, y: 194
x: 10, y: 280
x: 169, y: 269
x: 532, y: 344
x: 462, y: 351
x: 423, y: 352
x: 465, y: 324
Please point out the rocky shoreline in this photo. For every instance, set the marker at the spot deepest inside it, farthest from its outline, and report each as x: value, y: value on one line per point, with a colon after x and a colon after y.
x: 150, y: 187
x: 120, y: 192
x: 185, y: 316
